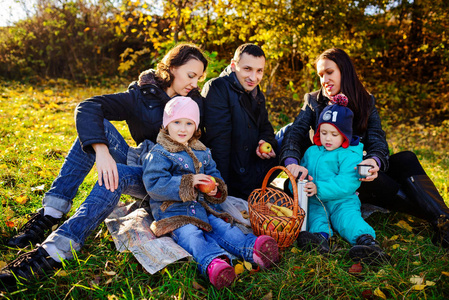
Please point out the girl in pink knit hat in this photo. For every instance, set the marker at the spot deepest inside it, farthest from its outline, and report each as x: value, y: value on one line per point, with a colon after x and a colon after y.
x: 175, y: 170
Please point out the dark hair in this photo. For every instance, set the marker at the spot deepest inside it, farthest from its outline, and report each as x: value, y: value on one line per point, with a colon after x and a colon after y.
x: 360, y: 101
x: 176, y: 57
x: 249, y: 48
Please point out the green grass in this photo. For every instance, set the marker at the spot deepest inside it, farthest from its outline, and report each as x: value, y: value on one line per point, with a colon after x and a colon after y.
x: 36, y: 132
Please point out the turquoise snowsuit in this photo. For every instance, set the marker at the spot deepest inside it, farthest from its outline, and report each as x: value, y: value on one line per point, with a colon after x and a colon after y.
x: 337, y: 181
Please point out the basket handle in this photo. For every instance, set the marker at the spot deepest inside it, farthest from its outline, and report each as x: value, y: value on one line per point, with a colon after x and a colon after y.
x: 294, y: 186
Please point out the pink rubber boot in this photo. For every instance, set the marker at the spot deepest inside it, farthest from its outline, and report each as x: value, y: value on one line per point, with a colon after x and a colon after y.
x: 266, y: 251
x: 220, y: 273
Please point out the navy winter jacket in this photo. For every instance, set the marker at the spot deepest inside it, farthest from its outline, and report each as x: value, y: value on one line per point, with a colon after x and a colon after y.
x: 232, y: 133
x: 141, y: 107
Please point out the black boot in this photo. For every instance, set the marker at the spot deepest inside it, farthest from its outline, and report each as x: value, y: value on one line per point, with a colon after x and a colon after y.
x: 35, y: 230
x: 34, y: 264
x: 313, y: 241
x: 432, y: 207
x: 367, y: 250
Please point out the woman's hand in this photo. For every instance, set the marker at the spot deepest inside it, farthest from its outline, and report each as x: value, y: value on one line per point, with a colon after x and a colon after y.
x: 296, y: 169
x: 106, y: 167
x: 265, y: 155
x: 204, y: 179
x: 374, y: 170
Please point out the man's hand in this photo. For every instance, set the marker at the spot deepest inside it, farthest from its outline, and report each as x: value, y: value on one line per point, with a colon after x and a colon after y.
x: 264, y: 155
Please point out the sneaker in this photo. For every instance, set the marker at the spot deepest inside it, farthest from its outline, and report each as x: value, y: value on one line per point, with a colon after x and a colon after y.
x: 220, y: 273
x: 35, y: 230
x: 367, y: 250
x: 36, y: 263
x: 309, y: 241
x: 266, y: 251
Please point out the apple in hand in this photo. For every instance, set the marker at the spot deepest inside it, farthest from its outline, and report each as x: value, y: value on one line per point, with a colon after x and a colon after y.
x: 208, y: 187
x: 265, y: 147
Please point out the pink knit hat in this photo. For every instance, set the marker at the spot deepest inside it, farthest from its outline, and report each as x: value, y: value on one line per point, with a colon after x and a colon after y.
x: 181, y: 107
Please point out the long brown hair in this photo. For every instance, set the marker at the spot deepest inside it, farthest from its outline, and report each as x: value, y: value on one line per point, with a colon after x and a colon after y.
x: 360, y: 101
x: 177, y: 57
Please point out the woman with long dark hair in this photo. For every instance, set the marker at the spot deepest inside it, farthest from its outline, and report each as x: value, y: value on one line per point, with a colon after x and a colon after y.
x: 397, y: 182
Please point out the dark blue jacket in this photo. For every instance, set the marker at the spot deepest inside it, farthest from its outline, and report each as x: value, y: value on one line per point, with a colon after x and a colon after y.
x: 141, y: 107
x: 298, y: 136
x: 233, y: 134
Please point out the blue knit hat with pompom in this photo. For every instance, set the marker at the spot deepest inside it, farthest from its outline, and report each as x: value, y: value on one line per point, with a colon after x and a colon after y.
x: 339, y: 116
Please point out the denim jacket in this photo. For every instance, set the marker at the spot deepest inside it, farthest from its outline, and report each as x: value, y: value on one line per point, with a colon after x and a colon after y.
x: 298, y: 136
x: 168, y: 171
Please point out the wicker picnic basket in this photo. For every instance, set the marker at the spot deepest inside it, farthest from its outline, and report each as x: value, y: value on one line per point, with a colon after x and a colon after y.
x: 264, y: 221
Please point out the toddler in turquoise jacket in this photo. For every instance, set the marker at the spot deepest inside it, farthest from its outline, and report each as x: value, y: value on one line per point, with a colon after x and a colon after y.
x: 333, y: 202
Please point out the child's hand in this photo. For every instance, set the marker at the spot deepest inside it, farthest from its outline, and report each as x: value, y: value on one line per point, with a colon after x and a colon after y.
x: 199, y: 179
x: 310, y: 188
x: 214, y: 192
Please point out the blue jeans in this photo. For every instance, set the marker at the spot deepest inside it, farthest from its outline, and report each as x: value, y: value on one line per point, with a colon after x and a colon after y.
x: 223, y: 240
x: 100, y: 202
x: 95, y: 209
x: 77, y: 165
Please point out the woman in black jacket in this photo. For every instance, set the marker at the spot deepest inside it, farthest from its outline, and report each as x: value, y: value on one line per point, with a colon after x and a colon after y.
x: 399, y: 182
x: 99, y: 142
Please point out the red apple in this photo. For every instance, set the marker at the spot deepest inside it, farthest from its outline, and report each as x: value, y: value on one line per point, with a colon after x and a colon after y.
x: 265, y: 147
x: 207, y: 187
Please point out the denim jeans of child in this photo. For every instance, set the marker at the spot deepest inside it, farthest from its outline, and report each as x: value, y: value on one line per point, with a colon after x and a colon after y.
x: 223, y: 240
x: 77, y: 165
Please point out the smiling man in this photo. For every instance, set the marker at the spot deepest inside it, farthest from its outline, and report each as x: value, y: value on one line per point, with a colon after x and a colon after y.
x: 236, y: 122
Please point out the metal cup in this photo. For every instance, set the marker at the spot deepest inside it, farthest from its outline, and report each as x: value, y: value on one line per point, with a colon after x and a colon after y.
x: 363, y: 170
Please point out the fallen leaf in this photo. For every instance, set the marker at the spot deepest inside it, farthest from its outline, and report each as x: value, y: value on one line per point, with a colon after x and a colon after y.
x: 419, y: 287
x: 295, y: 268
x: 108, y: 281
x: 244, y: 214
x: 268, y: 296
x: 198, y: 286
x: 379, y: 293
x: 109, y: 273
x: 416, y: 263
x: 295, y: 250
x: 355, y: 268
x: 404, y: 225
x: 61, y: 273
x: 38, y: 188
x: 415, y: 279
x: 21, y: 199
x: 238, y: 269
x: 10, y: 224
x: 395, y: 246
x: 394, y: 237
x: 367, y: 294
x: 430, y: 283
x: 2, y: 264
x: 254, y: 270
x: 445, y: 273
x: 248, y: 265
x: 48, y: 92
